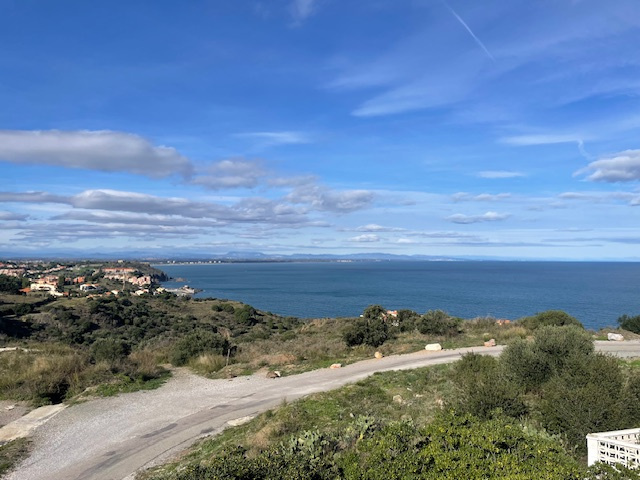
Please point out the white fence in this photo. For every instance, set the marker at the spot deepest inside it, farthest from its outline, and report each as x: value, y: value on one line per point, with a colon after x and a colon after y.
x: 618, y: 447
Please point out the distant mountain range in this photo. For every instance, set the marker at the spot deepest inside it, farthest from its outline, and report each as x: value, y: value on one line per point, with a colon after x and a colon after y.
x: 237, y: 256
x: 177, y: 255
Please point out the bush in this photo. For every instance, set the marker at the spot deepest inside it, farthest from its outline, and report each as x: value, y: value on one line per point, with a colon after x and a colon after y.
x: 110, y: 350
x: 368, y: 331
x: 407, y: 320
x: 457, y: 447
x: 245, y: 315
x: 630, y: 323
x: 10, y: 284
x: 200, y: 341
x: 438, y: 322
x: 547, y: 318
x: 530, y: 364
x: 482, y: 388
x: 375, y: 312
x: 585, y: 397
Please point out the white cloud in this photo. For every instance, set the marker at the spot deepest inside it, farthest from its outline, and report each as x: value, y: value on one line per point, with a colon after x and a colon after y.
x: 234, y: 173
x: 101, y: 150
x: 618, y: 167
x: 365, y: 238
x: 11, y: 216
x: 374, y: 227
x: 485, y: 217
x: 322, y: 198
x: 499, y: 174
x: 483, y: 197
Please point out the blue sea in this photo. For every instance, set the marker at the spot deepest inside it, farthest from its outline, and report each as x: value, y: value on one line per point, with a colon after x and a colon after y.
x: 595, y: 293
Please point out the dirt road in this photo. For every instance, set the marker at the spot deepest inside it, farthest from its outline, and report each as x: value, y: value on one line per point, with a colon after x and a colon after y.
x: 112, y: 438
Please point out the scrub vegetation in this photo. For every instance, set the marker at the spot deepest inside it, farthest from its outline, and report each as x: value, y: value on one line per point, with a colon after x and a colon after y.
x: 523, y: 415
x: 103, y: 345
x: 479, y: 418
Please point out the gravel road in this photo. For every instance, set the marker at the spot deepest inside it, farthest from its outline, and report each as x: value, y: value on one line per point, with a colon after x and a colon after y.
x: 112, y: 438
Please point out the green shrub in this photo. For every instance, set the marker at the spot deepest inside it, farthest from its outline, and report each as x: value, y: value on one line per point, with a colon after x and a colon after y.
x: 459, y: 447
x: 110, y: 350
x: 556, y: 318
x: 482, y: 388
x: 531, y: 363
x: 10, y: 284
x: 630, y: 323
x: 200, y: 341
x: 585, y: 397
x: 375, y: 312
x: 438, y: 322
x: 367, y: 331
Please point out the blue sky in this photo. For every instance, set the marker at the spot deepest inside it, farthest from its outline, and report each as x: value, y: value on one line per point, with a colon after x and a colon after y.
x: 435, y: 127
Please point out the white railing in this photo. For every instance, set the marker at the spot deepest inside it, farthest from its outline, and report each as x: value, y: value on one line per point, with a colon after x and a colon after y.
x: 617, y: 447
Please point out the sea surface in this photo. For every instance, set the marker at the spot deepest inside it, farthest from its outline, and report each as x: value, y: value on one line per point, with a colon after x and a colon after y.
x: 595, y: 293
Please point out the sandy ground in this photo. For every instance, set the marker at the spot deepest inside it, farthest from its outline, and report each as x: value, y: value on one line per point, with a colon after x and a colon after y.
x: 11, y: 410
x: 111, y: 438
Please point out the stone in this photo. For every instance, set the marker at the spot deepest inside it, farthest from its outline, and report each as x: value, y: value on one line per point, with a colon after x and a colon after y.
x: 398, y: 399
x: 433, y: 347
x: 274, y: 374
x: 336, y: 365
x: 490, y: 343
x: 616, y: 337
x: 378, y: 355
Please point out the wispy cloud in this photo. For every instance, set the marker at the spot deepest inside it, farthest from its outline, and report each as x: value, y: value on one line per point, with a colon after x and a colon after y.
x: 483, y: 197
x: 542, y: 139
x: 302, y: 9
x: 492, y: 174
x: 232, y: 173
x: 374, y: 227
x: 365, y: 238
x: 270, y: 139
x: 102, y: 150
x: 12, y: 217
x: 340, y: 201
x: 485, y: 217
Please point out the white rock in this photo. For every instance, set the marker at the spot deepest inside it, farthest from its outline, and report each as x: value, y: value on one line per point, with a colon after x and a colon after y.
x: 433, y: 347
x: 616, y: 337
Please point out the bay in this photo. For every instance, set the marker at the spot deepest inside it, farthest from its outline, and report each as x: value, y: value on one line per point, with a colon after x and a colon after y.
x: 595, y: 293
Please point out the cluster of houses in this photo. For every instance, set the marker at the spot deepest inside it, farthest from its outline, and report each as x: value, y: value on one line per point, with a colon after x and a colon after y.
x: 56, y: 279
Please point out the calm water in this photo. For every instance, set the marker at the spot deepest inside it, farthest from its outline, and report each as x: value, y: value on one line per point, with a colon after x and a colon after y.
x: 595, y: 293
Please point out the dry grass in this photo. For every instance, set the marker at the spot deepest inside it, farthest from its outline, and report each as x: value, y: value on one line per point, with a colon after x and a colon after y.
x: 207, y: 364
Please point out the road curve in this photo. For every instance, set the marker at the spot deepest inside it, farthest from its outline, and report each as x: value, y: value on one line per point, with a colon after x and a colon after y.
x: 112, y: 438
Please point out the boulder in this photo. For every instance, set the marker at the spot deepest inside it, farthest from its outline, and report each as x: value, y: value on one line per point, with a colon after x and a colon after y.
x: 490, y: 343
x: 336, y: 365
x: 433, y: 347
x: 616, y: 337
x: 378, y: 355
x: 398, y: 399
x: 274, y: 374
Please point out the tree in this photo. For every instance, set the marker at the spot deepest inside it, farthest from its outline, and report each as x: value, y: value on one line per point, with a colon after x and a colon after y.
x: 374, y: 312
x: 10, y: 284
x: 630, y: 323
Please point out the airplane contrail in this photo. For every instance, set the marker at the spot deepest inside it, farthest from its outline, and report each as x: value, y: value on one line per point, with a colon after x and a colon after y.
x: 473, y: 35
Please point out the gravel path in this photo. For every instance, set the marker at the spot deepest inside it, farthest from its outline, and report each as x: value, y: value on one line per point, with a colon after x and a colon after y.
x: 111, y: 438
